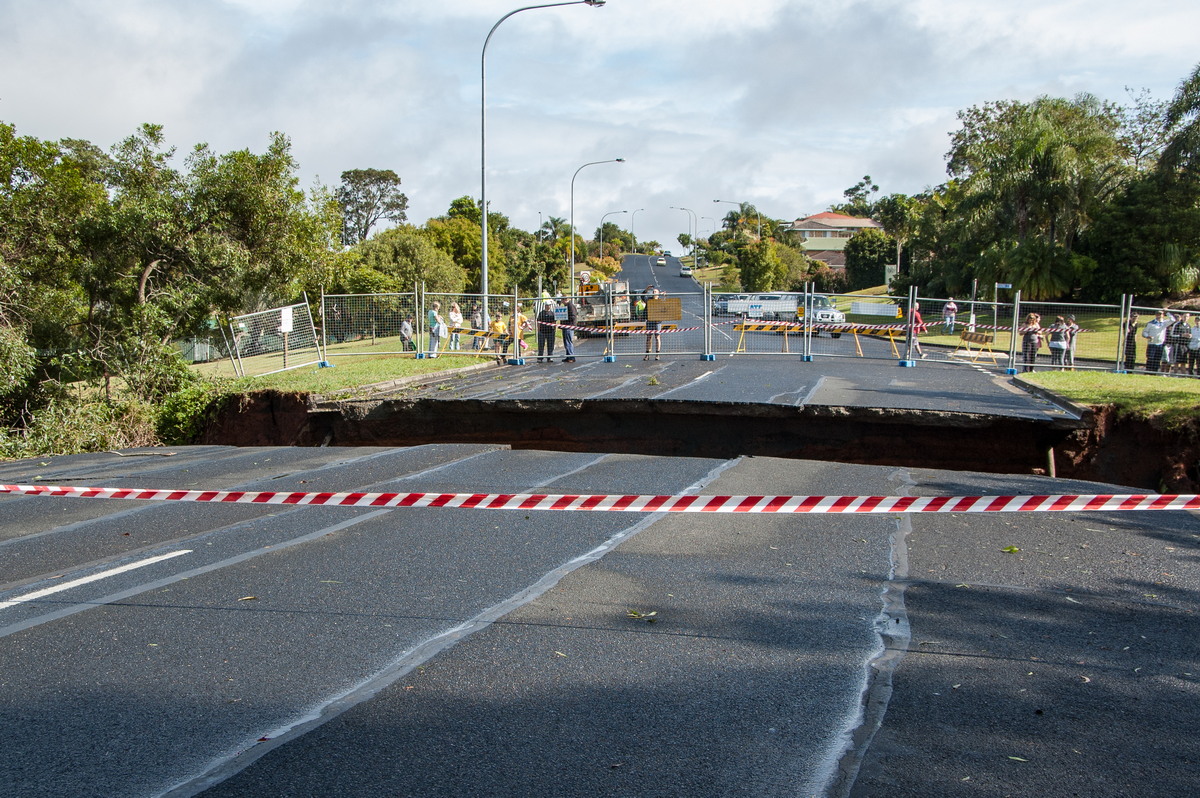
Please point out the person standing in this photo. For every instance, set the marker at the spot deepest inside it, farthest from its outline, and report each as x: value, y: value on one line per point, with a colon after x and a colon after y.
x: 545, y: 331
x: 518, y: 325
x: 1179, y: 334
x: 477, y: 326
x: 1193, y: 358
x: 1155, y: 333
x: 1131, y: 336
x: 918, y: 327
x: 500, y: 336
x: 653, y: 335
x: 1058, y: 333
x: 1031, y: 341
x: 406, y: 335
x: 456, y: 322
x: 568, y: 335
x: 949, y: 314
x: 437, y: 325
x: 1073, y: 331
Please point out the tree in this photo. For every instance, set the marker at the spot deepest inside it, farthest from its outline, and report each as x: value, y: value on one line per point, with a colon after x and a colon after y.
x: 368, y: 196
x: 1182, y: 152
x: 867, y: 255
x: 1144, y: 130
x: 760, y: 268
x: 899, y: 214
x: 407, y: 257
x: 1042, y: 170
x: 858, y: 199
x: 46, y: 191
x: 457, y: 234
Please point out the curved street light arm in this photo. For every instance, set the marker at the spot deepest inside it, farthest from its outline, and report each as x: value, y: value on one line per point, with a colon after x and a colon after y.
x: 577, y: 171
x: 483, y: 272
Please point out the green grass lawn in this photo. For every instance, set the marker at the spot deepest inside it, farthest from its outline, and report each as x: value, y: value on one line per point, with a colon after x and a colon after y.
x: 346, y: 374
x: 1173, y: 401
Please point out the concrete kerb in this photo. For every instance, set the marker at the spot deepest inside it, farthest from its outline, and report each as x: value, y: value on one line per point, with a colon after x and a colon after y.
x: 1079, y: 411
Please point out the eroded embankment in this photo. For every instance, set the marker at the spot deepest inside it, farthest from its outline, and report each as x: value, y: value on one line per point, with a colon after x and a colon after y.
x: 1102, y: 448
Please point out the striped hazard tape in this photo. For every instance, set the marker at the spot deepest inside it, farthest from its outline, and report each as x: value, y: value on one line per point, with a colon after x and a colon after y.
x: 1050, y: 503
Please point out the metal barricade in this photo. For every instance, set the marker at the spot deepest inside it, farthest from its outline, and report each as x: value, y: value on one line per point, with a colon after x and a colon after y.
x: 273, y: 340
x: 370, y: 324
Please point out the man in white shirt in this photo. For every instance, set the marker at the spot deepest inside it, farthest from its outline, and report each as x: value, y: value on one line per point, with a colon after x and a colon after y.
x: 1155, y: 333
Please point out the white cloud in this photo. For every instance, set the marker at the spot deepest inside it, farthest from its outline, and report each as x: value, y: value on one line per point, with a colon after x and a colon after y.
x: 783, y: 103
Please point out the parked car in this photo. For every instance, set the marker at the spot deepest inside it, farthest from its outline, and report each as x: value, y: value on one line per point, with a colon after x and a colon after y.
x: 721, y: 302
x: 823, y: 312
x: 769, y: 307
x: 685, y: 271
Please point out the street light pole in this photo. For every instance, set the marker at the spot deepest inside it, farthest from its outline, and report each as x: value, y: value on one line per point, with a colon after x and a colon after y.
x: 691, y: 216
x: 632, y: 222
x: 756, y: 213
x: 577, y: 171
x: 483, y: 271
x: 602, y: 218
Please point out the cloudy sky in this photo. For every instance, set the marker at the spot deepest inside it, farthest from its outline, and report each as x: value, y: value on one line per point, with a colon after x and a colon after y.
x: 781, y: 103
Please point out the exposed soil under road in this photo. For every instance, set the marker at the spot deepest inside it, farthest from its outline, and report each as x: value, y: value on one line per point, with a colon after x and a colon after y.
x: 1102, y: 447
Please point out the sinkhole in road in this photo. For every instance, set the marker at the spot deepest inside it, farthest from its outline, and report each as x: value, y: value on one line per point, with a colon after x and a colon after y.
x: 1133, y: 456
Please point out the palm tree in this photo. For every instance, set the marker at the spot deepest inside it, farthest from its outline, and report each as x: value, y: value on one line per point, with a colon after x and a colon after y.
x: 1183, y: 150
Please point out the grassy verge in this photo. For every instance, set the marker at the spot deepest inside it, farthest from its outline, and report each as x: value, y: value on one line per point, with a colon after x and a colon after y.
x: 353, y: 372
x: 1173, y: 403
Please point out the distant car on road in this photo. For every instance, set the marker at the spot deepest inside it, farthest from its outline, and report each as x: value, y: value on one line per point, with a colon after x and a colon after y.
x: 667, y: 253
x: 685, y: 271
x: 660, y: 261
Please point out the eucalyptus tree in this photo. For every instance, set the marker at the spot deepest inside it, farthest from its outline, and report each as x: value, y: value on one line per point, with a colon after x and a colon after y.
x: 367, y: 197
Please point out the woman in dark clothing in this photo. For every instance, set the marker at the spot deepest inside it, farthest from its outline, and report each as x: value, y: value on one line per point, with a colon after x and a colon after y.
x: 1131, y: 336
x: 545, y: 332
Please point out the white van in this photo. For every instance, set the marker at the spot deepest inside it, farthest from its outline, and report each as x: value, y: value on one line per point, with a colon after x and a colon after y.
x: 769, y: 307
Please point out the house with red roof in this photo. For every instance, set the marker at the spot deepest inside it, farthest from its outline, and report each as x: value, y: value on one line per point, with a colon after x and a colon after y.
x: 823, y: 236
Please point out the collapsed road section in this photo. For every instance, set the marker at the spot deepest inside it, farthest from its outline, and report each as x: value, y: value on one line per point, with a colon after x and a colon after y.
x: 1095, y: 447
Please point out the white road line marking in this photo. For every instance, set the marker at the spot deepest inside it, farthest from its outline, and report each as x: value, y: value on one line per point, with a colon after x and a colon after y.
x: 37, y: 594
x: 688, y: 384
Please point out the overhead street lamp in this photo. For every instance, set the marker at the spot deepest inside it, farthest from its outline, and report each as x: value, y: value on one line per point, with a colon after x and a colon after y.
x: 691, y: 217
x: 577, y: 171
x: 602, y: 218
x: 632, y: 221
x: 483, y: 272
x: 756, y: 213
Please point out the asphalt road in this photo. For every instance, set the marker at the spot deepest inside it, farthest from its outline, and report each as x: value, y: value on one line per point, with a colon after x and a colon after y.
x: 172, y: 649
x: 303, y: 651
x: 751, y: 368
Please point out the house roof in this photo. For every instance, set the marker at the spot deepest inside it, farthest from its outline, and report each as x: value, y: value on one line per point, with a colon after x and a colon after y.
x: 835, y: 260
x: 835, y: 220
x: 811, y: 245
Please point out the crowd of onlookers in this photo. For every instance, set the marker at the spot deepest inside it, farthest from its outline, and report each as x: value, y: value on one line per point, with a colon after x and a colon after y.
x: 503, y: 331
x: 1172, y: 342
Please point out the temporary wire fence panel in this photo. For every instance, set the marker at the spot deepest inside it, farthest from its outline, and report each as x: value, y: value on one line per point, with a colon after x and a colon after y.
x: 370, y: 324
x: 855, y: 325
x: 1074, y: 336
x: 661, y: 325
x: 1158, y: 340
x: 274, y: 340
x: 465, y: 325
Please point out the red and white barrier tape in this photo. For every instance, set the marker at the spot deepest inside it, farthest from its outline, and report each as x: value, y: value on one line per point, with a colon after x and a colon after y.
x: 621, y: 330
x: 1052, y: 503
